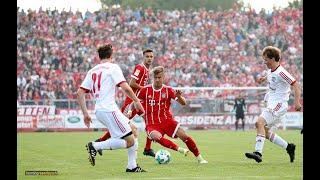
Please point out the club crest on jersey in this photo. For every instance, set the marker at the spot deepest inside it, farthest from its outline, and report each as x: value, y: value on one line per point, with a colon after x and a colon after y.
x: 137, y: 72
x: 163, y: 95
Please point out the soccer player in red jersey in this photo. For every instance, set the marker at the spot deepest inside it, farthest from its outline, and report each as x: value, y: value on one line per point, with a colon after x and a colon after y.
x: 156, y: 101
x: 139, y: 79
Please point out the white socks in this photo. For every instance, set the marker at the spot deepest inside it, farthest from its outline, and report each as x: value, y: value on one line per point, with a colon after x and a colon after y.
x: 259, y: 142
x: 132, y: 163
x: 136, y: 144
x: 113, y: 143
x: 110, y: 144
x: 273, y: 137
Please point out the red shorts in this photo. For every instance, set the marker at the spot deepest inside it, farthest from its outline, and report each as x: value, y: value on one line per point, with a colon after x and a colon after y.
x: 169, y: 128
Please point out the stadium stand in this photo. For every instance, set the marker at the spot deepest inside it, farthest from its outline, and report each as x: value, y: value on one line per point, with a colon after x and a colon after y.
x: 199, y: 48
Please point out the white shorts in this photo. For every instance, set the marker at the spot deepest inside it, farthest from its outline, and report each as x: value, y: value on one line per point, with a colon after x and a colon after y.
x: 274, y: 113
x: 116, y: 122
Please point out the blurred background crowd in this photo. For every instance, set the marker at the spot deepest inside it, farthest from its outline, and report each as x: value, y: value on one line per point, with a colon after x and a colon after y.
x: 201, y: 48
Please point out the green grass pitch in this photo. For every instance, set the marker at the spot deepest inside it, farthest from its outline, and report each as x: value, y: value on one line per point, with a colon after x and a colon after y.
x: 65, y: 152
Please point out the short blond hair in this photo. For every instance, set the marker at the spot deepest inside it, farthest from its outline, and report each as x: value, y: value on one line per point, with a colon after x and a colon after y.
x: 158, y: 69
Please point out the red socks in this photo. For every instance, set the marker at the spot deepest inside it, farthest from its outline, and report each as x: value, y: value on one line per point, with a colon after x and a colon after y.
x: 192, y: 146
x: 167, y: 143
x: 105, y: 136
x: 148, y: 144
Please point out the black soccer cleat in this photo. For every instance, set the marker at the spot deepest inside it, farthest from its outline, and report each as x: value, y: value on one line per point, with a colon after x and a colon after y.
x: 290, y: 150
x: 149, y: 152
x: 136, y: 169
x: 92, y: 153
x: 99, y: 152
x: 255, y: 155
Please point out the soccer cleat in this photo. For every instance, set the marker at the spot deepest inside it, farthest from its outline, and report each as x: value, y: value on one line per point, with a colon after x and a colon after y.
x: 149, y: 152
x: 183, y: 151
x: 255, y: 155
x: 202, y: 161
x: 99, y: 152
x: 92, y: 153
x: 136, y: 169
x: 290, y: 150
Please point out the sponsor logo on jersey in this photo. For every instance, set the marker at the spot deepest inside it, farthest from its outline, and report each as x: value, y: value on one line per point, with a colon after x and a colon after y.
x: 137, y: 72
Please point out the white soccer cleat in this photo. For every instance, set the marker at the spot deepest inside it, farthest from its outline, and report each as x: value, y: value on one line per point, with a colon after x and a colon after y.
x: 202, y: 161
x: 183, y: 151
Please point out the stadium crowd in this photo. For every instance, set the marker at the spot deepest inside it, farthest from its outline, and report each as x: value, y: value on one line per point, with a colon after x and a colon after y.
x: 197, y: 47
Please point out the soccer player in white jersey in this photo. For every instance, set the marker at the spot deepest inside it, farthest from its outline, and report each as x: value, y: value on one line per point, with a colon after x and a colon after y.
x: 139, y: 79
x: 279, y: 82
x: 101, y: 82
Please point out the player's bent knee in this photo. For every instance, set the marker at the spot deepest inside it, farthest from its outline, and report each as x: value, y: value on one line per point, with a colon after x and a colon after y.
x: 260, y: 123
x: 135, y: 133
x: 182, y: 135
x: 256, y: 124
x: 130, y: 141
x: 134, y: 130
x: 156, y: 136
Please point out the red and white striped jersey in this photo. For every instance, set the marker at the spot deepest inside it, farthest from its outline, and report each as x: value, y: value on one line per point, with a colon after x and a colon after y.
x: 141, y: 75
x: 156, y: 103
x: 279, y: 82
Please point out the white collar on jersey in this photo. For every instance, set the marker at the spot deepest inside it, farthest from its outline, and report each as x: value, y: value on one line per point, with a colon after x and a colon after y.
x: 144, y: 66
x: 275, y: 68
x: 157, y: 89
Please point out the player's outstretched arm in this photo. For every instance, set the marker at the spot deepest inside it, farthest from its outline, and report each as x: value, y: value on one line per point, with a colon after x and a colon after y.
x: 297, y: 94
x: 127, y: 89
x: 180, y: 98
x: 82, y: 102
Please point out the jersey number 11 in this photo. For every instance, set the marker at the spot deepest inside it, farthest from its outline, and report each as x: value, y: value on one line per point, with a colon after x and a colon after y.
x: 94, y: 78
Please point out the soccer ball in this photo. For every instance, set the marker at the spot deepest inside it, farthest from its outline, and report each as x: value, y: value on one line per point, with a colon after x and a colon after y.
x: 163, y: 156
